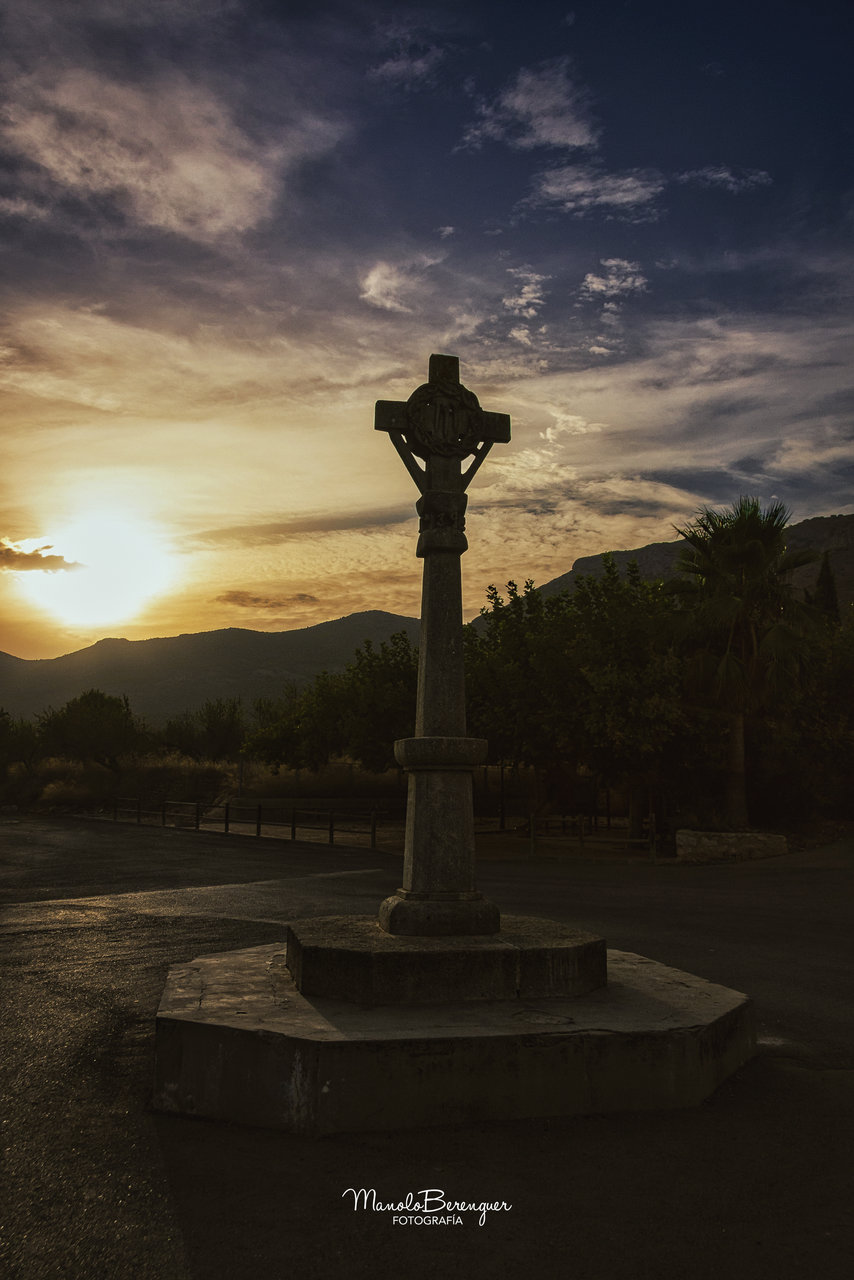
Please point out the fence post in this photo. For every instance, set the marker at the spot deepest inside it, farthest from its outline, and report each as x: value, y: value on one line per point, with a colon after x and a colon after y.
x: 331, y: 827
x: 198, y: 816
x: 502, y: 817
x: 163, y: 814
x: 225, y: 819
x: 293, y: 824
x: 258, y: 822
x: 138, y: 812
x: 373, y: 830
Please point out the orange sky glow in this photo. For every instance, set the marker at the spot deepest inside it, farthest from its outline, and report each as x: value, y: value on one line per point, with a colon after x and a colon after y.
x: 227, y: 231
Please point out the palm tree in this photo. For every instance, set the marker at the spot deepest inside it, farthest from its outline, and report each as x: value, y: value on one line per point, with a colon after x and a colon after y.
x: 736, y: 576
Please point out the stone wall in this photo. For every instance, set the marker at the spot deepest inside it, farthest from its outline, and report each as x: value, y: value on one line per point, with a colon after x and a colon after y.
x: 728, y: 846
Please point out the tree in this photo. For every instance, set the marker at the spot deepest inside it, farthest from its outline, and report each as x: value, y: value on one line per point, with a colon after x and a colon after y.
x: 214, y: 731
x: 633, y: 714
x: 824, y: 596
x: 96, y: 726
x: 358, y: 712
x: 587, y: 677
x: 746, y: 628
x: 377, y: 695
x: 222, y: 728
x: 522, y: 687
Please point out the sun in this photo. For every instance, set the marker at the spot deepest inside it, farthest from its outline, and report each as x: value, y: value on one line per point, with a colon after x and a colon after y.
x: 121, y: 562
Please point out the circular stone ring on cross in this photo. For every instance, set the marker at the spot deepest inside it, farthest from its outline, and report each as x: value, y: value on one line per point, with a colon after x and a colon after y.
x: 443, y: 419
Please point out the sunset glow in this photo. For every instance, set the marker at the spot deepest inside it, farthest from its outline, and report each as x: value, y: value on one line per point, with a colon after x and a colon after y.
x: 119, y: 564
x: 229, y: 228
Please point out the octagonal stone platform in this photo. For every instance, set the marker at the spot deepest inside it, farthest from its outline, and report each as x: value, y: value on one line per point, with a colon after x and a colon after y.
x: 236, y: 1040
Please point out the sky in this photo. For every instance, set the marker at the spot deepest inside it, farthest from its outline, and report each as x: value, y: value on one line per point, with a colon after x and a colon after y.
x: 228, y: 227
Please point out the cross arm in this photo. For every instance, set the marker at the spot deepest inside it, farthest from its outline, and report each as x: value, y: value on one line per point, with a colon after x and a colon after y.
x: 390, y: 415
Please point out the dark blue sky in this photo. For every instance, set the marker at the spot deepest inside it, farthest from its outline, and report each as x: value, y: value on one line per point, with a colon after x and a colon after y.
x: 227, y: 226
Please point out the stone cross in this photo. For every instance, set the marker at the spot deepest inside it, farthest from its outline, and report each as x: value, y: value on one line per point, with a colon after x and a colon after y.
x: 434, y: 431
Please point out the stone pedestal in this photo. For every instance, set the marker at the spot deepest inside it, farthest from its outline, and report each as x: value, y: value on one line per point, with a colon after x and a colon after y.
x: 351, y: 958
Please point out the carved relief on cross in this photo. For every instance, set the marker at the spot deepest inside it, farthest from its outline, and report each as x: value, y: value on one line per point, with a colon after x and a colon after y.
x: 441, y: 424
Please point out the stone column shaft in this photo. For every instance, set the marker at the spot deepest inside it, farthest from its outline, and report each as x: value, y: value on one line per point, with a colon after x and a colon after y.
x: 438, y: 895
x: 441, y: 424
x: 440, y: 710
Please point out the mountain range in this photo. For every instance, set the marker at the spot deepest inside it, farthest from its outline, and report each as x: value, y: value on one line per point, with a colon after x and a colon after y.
x: 833, y: 534
x: 165, y: 677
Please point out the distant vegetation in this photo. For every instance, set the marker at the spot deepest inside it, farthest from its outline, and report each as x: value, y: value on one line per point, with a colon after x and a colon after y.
x: 718, y: 698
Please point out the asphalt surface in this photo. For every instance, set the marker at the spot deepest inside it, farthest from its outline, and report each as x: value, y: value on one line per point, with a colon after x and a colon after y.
x: 756, y: 1182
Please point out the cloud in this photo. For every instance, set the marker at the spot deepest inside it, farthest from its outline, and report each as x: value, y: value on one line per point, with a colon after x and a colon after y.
x: 13, y: 559
x: 18, y: 207
x: 571, y: 424
x: 383, y: 285
x: 411, y: 54
x: 122, y: 14
x: 408, y: 69
x: 529, y: 297
x: 621, y: 277
x: 387, y: 284
x: 542, y: 107
x: 168, y: 152
x: 247, y: 600
x: 722, y: 176
x: 580, y: 189
x: 273, y: 532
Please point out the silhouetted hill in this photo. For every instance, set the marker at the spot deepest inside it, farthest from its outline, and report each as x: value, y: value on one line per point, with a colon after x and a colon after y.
x: 164, y: 677
x: 834, y: 534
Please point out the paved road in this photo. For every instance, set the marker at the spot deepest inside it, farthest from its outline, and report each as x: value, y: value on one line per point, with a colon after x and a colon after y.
x: 754, y: 1183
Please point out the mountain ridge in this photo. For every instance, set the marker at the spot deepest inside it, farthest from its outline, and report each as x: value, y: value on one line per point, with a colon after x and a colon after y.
x: 834, y: 534
x: 167, y: 675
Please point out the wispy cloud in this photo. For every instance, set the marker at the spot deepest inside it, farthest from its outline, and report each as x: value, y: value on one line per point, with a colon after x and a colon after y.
x: 529, y: 297
x: 15, y: 559
x: 18, y: 207
x: 392, y: 286
x: 409, y: 69
x: 410, y: 52
x: 723, y: 176
x: 542, y: 107
x: 275, y: 531
x: 581, y: 189
x: 385, y: 285
x: 621, y: 277
x: 167, y: 152
x: 251, y: 600
x: 523, y: 335
x: 547, y: 107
